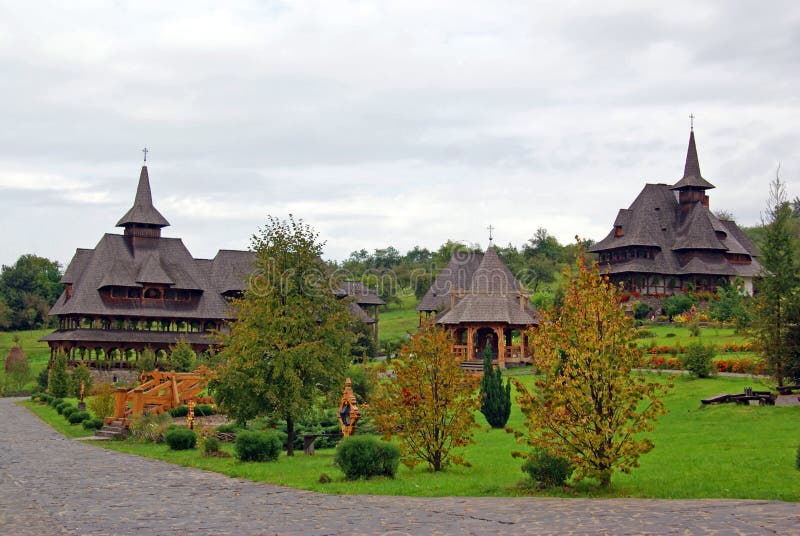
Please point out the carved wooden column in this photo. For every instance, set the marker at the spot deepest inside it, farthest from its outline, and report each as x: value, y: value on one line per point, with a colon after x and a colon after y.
x: 470, y: 343
x: 501, y: 347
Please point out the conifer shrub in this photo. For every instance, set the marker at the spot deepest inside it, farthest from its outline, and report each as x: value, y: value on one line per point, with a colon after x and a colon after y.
x: 257, y: 446
x: 77, y: 417
x: 92, y: 424
x: 546, y: 470
x: 181, y: 439
x: 180, y: 411
x: 230, y: 428
x: 62, y: 406
x: 68, y: 410
x: 203, y: 410
x: 495, y: 399
x: 699, y: 360
x: 366, y: 456
x: 58, y: 380
x: 55, y: 401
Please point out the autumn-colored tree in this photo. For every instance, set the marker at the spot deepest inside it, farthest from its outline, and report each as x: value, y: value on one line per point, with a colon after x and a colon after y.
x: 430, y: 404
x: 589, y: 407
x: 291, y: 341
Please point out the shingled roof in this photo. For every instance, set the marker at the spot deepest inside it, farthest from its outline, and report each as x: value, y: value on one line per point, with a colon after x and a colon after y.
x: 143, y: 212
x: 686, y: 239
x: 691, y: 170
x: 483, y: 291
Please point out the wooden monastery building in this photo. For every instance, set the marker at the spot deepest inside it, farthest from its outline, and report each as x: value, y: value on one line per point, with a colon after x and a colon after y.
x: 479, y: 301
x: 668, y: 241
x: 140, y: 290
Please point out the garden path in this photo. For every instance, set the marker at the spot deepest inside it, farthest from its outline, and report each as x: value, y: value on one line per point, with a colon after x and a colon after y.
x: 53, y: 485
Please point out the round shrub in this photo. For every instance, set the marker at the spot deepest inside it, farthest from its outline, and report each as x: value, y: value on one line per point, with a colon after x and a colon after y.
x: 203, y: 410
x: 77, y: 417
x: 181, y: 439
x: 211, y: 446
x: 366, y: 456
x: 68, y: 410
x: 699, y: 360
x: 230, y: 428
x: 257, y: 446
x: 55, y: 401
x: 547, y: 470
x: 179, y: 411
x: 62, y: 406
x: 92, y: 424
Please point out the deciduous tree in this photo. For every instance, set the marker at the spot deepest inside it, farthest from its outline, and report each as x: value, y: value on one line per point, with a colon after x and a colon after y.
x: 430, y: 404
x: 589, y: 407
x: 290, y: 343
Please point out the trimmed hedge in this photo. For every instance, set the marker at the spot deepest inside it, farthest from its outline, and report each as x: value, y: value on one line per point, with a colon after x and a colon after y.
x: 546, y: 470
x: 257, y: 446
x: 62, y: 406
x: 92, y: 424
x: 366, y: 456
x: 181, y: 439
x: 68, y: 410
x: 78, y: 417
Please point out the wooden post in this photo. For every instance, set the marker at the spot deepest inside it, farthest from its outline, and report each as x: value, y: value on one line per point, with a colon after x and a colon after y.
x: 501, y: 347
x: 120, y: 403
x: 470, y: 343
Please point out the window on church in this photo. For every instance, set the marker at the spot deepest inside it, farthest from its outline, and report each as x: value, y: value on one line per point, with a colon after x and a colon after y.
x: 618, y: 230
x: 134, y: 293
x: 152, y: 294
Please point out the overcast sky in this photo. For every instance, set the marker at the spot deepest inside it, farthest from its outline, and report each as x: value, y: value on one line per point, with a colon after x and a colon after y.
x: 384, y: 123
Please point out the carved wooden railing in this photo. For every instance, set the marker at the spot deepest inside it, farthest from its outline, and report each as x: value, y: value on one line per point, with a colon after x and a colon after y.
x: 161, y: 391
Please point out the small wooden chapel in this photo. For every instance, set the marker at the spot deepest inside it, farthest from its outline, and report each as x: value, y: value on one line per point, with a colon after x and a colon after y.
x: 480, y: 302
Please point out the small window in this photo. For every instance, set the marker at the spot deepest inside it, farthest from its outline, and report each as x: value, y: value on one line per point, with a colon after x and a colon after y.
x: 153, y: 294
x: 134, y: 293
x: 618, y: 230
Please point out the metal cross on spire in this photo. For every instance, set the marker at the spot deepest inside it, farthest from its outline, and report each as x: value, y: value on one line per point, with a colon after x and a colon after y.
x: 691, y: 121
x: 145, y: 151
x: 490, y: 229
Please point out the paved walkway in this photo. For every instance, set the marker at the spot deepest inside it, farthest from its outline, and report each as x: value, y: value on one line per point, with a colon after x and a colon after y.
x: 51, y: 485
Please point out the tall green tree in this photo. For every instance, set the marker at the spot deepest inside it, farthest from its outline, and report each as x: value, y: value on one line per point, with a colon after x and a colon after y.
x: 181, y: 356
x: 775, y: 306
x: 29, y: 287
x: 58, y: 380
x: 495, y: 399
x: 290, y: 344
x: 589, y: 407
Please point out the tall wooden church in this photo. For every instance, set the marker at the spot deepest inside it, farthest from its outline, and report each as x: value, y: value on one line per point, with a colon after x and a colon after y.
x: 140, y: 290
x: 668, y: 241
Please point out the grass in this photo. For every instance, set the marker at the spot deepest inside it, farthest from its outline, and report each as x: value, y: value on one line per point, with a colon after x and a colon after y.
x: 397, y: 321
x: 49, y: 415
x: 38, y: 352
x: 724, y: 451
x: 673, y: 334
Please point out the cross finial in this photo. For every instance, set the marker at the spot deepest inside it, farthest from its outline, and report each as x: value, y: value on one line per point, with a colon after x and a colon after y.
x: 691, y: 122
x: 145, y: 150
x: 490, y: 229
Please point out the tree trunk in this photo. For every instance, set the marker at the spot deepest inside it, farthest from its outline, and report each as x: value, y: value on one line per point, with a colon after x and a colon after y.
x: 605, y: 480
x: 290, y: 433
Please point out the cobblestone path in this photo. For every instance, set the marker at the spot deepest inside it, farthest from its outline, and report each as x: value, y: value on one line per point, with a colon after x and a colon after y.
x: 53, y: 485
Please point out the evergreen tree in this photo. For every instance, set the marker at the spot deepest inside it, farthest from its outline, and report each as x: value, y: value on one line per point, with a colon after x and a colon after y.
x: 495, y: 399
x: 58, y: 381
x: 182, y: 358
x: 776, y: 300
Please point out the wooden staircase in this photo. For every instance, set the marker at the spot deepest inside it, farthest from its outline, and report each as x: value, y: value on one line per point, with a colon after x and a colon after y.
x: 113, y: 429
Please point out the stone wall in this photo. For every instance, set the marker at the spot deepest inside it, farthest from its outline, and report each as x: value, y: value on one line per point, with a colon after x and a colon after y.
x: 114, y: 376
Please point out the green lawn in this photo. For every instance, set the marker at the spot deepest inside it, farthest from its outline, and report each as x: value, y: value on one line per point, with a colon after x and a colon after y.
x: 674, y: 334
x: 397, y: 321
x: 38, y: 352
x: 49, y: 415
x: 722, y: 451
